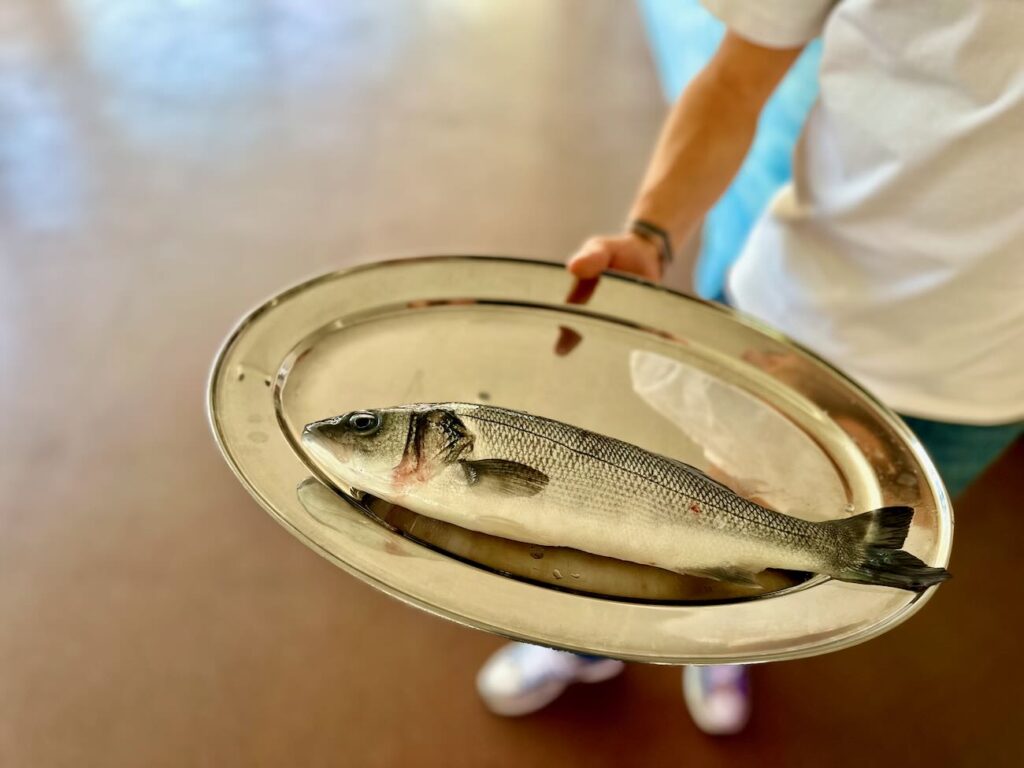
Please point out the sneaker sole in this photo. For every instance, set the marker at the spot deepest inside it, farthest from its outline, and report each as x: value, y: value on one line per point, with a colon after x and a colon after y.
x: 537, y: 699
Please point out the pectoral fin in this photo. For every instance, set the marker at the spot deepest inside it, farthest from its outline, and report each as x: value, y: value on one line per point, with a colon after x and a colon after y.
x: 502, y: 476
x: 731, y: 575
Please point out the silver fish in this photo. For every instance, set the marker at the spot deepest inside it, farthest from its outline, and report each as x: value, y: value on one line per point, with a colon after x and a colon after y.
x: 532, y: 479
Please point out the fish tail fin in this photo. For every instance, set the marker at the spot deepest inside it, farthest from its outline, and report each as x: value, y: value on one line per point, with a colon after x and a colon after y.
x: 875, y: 538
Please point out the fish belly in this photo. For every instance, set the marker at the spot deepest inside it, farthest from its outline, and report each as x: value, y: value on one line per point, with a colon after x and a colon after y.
x: 638, y: 535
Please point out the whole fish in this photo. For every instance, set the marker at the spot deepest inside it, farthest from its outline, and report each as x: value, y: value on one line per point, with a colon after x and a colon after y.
x: 540, y: 481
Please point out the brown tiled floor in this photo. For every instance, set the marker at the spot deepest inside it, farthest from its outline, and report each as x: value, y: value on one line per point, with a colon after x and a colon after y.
x: 166, y: 165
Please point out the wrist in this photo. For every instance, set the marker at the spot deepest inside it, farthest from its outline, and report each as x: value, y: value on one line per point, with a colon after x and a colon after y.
x: 646, y: 251
x: 659, y: 239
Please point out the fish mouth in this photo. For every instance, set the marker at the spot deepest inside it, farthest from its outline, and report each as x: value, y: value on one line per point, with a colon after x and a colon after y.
x: 327, y: 428
x: 321, y: 443
x: 310, y: 435
x: 331, y: 458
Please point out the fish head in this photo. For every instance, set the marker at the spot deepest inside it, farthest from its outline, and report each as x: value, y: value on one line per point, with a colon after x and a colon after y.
x: 359, y: 449
x: 388, y: 451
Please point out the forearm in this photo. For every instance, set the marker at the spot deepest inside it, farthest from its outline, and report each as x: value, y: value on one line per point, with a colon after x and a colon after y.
x: 701, y: 147
x: 707, y: 135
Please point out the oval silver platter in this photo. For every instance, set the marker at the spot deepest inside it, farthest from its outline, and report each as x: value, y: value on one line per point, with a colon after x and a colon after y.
x: 690, y: 379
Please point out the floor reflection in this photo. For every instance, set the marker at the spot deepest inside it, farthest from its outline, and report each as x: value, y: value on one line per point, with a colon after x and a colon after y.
x: 41, y: 162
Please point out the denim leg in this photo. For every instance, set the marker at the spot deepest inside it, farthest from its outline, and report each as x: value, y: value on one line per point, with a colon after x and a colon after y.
x: 961, y: 452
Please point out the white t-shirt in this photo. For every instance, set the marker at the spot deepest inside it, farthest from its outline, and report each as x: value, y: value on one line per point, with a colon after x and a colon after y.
x: 897, y: 251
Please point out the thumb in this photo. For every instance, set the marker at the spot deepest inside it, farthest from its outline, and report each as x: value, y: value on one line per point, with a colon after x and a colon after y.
x: 590, y: 262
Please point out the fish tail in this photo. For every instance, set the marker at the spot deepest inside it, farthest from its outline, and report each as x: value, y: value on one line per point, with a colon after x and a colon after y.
x: 874, y: 555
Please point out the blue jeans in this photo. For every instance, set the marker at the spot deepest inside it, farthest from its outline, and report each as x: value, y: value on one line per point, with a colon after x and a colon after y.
x: 961, y: 452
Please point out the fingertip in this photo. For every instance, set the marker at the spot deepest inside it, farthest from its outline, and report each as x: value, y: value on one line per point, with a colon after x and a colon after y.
x: 587, y: 266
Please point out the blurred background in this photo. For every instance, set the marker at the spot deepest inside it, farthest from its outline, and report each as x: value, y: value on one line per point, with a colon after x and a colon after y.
x: 167, y: 164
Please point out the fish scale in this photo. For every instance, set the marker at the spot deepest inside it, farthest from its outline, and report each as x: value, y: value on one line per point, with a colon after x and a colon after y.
x: 683, y: 485
x: 542, y: 481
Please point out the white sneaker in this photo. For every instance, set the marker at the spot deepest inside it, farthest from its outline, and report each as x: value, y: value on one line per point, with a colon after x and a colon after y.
x: 718, y: 697
x: 519, y: 678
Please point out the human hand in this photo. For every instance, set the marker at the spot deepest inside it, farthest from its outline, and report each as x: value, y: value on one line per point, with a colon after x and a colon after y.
x: 625, y: 253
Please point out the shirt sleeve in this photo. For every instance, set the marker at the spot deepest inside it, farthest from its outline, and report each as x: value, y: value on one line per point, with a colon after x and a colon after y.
x: 773, y: 23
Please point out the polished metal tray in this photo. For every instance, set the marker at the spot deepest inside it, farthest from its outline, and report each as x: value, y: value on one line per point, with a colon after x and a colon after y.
x: 690, y: 379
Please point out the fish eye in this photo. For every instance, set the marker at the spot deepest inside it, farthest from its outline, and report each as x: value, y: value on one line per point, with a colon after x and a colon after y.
x: 364, y: 422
